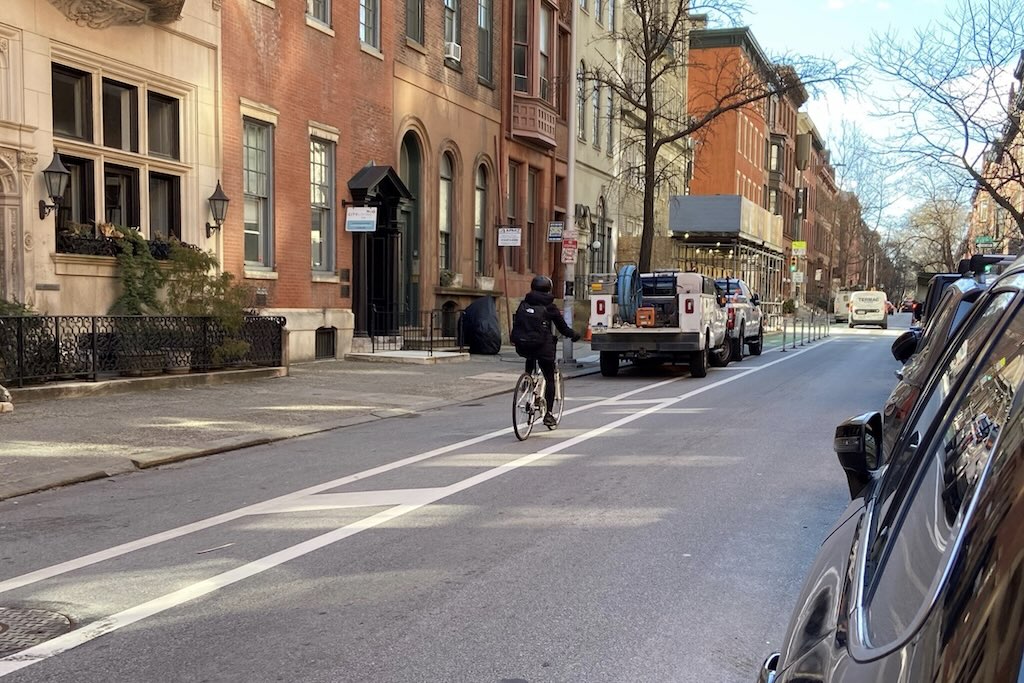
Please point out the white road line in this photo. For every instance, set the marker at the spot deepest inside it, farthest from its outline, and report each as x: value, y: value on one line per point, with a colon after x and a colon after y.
x: 131, y: 615
x: 273, y: 503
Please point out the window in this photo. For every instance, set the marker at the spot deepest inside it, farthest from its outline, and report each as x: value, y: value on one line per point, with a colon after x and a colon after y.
x: 414, y: 20
x: 164, y: 206
x: 595, y: 102
x: 921, y: 505
x: 512, y: 209
x: 445, y: 206
x: 531, y: 241
x: 72, y: 103
x: 545, y: 51
x: 775, y: 157
x: 599, y: 11
x: 581, y: 103
x: 121, y: 195
x: 611, y: 15
x: 583, y: 5
x: 120, y: 116
x: 484, y: 40
x: 369, y: 22
x: 319, y: 10
x: 321, y: 202
x: 480, y: 221
x: 451, y: 21
x: 257, y: 187
x: 611, y: 120
x: 520, y: 40
x: 76, y: 209
x: 163, y: 126
x: 773, y: 202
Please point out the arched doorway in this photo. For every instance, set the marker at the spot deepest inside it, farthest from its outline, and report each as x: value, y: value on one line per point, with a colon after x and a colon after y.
x: 410, y: 169
x: 10, y: 234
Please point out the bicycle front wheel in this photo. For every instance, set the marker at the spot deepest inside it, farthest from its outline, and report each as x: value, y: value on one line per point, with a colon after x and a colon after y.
x: 523, y: 411
x: 558, y: 404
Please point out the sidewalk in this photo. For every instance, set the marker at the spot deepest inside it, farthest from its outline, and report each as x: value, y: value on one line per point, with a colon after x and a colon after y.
x: 90, y: 433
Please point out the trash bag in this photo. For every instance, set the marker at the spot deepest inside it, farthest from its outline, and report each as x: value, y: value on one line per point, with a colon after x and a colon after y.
x: 480, y: 329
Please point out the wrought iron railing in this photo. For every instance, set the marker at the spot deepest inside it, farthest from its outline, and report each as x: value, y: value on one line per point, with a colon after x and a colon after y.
x: 394, y: 329
x: 38, y: 348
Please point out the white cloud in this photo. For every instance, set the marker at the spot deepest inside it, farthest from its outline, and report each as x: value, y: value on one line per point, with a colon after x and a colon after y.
x: 836, y: 4
x: 883, y: 6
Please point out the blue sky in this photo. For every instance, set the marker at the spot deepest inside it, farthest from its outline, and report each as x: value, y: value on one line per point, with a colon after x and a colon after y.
x: 835, y: 28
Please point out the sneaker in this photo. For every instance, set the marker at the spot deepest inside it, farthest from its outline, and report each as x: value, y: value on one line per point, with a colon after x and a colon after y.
x: 549, y: 420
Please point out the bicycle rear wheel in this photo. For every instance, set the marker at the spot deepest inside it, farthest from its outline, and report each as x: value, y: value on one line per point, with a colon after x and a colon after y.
x: 523, y: 412
x: 558, y: 404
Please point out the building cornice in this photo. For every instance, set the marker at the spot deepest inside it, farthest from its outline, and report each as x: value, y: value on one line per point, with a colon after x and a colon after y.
x: 99, y: 14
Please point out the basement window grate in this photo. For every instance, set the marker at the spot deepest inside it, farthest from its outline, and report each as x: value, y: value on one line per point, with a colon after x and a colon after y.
x: 326, y: 343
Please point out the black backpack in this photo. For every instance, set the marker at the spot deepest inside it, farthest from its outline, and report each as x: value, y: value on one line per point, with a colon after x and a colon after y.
x: 530, y: 328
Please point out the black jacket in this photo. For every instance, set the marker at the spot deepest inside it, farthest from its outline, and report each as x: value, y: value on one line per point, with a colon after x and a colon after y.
x: 552, y: 314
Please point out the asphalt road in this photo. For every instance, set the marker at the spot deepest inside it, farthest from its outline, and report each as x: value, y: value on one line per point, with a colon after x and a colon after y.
x: 660, y: 534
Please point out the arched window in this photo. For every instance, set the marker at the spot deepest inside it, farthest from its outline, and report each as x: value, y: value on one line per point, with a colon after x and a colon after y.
x: 581, y: 102
x: 611, y: 120
x: 445, y: 204
x: 595, y: 101
x: 480, y: 221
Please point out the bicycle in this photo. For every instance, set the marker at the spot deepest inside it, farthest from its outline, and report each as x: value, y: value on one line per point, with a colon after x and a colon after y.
x: 528, y: 404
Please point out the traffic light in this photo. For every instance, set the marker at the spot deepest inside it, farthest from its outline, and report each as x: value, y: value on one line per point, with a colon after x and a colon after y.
x: 792, y: 264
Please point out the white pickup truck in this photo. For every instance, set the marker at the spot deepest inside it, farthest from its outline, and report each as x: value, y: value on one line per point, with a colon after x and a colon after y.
x: 673, y: 316
x: 743, y: 317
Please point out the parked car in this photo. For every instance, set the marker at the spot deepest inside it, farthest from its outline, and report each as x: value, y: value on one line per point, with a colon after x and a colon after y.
x: 743, y: 317
x: 921, y: 578
x: 919, y: 350
x: 907, y: 306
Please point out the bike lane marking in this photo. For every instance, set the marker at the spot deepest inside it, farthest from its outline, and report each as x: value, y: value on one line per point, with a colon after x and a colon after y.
x: 103, y: 626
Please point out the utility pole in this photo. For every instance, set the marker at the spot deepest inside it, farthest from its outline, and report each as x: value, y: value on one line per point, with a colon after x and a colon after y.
x: 570, y: 195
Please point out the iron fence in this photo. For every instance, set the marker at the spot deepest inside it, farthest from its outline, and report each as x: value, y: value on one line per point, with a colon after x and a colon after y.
x: 39, y: 348
x: 394, y: 329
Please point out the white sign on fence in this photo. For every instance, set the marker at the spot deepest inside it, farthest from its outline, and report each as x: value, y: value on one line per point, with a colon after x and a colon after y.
x: 798, y: 278
x: 510, y: 237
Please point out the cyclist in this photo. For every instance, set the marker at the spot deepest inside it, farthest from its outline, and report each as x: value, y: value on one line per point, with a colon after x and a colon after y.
x: 533, y: 338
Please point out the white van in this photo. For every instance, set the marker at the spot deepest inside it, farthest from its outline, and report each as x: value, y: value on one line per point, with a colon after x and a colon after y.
x: 868, y: 308
x: 841, y: 306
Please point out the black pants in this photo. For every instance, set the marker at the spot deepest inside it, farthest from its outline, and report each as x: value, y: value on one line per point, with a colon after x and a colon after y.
x: 547, y: 368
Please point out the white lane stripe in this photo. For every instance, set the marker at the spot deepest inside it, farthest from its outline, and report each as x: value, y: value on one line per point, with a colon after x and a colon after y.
x: 273, y: 503
x: 131, y: 615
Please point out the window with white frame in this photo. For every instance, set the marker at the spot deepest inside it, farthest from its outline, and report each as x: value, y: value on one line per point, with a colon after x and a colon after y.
x: 319, y: 10
x: 610, y: 102
x: 595, y: 105
x: 480, y: 221
x: 445, y: 207
x: 599, y: 11
x: 257, y: 187
x: 581, y: 102
x: 485, y: 39
x: 369, y: 22
x: 611, y: 14
x: 452, y: 16
x: 544, y: 64
x: 321, y: 201
x: 120, y: 175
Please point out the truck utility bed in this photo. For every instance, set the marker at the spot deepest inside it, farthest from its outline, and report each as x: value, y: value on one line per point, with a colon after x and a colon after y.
x: 643, y: 340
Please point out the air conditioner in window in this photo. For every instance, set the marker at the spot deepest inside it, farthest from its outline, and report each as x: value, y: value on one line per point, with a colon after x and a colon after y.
x: 453, y: 51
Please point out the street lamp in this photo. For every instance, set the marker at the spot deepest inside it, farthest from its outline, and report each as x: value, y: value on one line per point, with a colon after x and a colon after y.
x: 219, y: 208
x: 56, y: 176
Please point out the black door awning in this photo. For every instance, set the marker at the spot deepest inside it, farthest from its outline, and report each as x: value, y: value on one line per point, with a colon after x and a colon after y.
x: 376, y: 184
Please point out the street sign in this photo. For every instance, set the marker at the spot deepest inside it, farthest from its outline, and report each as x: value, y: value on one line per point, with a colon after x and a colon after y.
x: 570, y: 232
x: 361, y: 219
x: 799, y: 248
x: 555, y: 231
x: 569, y: 251
x: 510, y: 237
x: 798, y: 277
x: 984, y: 241
x: 817, y: 275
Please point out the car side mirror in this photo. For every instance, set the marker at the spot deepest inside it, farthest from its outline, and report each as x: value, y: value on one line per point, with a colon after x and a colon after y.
x: 755, y: 300
x: 858, y: 445
x: 905, y: 345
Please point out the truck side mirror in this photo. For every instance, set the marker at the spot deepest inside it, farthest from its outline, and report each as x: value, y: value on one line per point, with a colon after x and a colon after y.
x: 858, y: 445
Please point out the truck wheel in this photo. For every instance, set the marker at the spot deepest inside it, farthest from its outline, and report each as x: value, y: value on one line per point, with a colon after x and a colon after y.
x: 609, y: 363
x: 757, y: 346
x: 721, y: 356
x: 737, y: 346
x: 699, y: 360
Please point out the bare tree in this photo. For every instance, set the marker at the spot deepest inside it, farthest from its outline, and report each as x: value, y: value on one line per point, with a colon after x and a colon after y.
x: 647, y: 51
x: 935, y: 232
x: 955, y: 112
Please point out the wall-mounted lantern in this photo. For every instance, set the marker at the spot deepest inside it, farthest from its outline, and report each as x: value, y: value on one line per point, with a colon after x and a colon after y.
x: 219, y: 208
x: 56, y: 176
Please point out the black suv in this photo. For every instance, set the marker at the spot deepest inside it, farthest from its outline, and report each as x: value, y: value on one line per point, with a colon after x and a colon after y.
x: 922, y: 578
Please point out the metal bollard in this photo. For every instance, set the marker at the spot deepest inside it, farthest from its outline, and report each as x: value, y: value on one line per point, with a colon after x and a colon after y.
x: 783, y: 334
x: 801, y: 332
